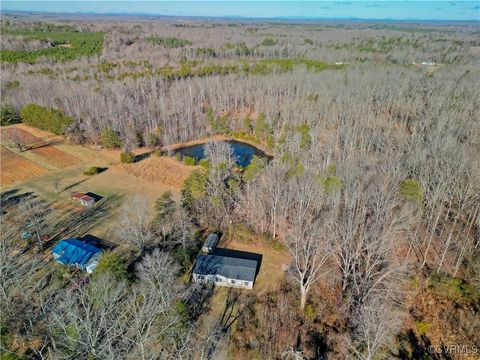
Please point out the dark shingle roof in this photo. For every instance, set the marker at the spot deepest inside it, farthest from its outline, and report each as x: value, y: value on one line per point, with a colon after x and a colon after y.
x: 212, y: 241
x: 231, y: 268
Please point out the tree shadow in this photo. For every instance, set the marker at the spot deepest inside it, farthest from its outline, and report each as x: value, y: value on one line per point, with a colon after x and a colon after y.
x: 143, y: 156
x: 229, y: 315
x: 11, y: 197
x: 198, y: 300
x: 79, y: 224
x: 74, y: 184
x: 418, y: 348
x: 98, y: 242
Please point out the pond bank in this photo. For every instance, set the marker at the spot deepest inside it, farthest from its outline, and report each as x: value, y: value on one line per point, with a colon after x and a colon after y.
x: 176, y: 146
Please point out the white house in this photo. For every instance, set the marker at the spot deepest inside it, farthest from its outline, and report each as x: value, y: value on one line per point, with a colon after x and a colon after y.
x: 225, y: 271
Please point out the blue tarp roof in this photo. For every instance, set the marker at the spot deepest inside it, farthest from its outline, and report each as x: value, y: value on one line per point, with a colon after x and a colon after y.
x: 74, y: 251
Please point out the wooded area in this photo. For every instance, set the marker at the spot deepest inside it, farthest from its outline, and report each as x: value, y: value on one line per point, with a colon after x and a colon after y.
x: 373, y: 188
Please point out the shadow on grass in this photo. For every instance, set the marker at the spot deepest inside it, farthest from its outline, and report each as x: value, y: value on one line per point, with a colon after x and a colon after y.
x: 143, y: 156
x: 79, y: 224
x: 12, y: 197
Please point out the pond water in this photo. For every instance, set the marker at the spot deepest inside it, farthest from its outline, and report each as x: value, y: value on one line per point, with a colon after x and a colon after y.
x: 243, y: 152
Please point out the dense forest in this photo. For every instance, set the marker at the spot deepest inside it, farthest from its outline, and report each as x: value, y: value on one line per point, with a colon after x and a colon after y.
x: 373, y: 187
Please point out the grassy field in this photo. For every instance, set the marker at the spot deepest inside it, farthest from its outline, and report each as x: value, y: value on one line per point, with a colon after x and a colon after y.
x: 56, y: 169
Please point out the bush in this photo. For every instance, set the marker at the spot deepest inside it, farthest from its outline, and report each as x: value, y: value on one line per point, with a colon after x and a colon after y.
x: 255, y: 167
x: 411, y: 190
x: 158, y: 152
x: 152, y: 140
x: 422, y: 327
x: 52, y: 120
x: 110, y: 263
x: 12, y: 84
x: 92, y: 171
x: 330, y: 184
x: 204, y: 163
x: 9, y: 116
x: 188, y: 160
x: 127, y: 157
x: 110, y: 138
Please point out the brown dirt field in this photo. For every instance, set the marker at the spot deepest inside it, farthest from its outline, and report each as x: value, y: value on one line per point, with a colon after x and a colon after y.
x: 55, y: 156
x: 27, y: 139
x: 41, y: 148
x: 15, y: 168
x: 163, y: 170
x: 42, y: 134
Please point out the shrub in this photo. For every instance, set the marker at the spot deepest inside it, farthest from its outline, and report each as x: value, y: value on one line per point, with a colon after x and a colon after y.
x: 193, y: 188
x: 253, y: 169
x: 422, y: 327
x: 52, y: 120
x: 453, y: 288
x: 188, y: 160
x: 110, y: 263
x: 12, y: 84
x: 204, y: 163
x: 110, y: 138
x: 411, y: 190
x: 309, y: 312
x: 330, y: 184
x: 9, y: 116
x: 152, y: 140
x: 92, y: 171
x: 127, y: 157
x: 158, y: 152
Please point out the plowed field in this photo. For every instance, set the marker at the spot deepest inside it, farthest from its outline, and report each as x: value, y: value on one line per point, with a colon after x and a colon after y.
x: 16, y: 169
x: 40, y: 147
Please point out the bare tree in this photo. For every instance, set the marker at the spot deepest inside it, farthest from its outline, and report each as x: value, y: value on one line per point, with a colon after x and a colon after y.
x: 134, y: 225
x: 17, y: 140
x: 376, y: 326
x: 90, y: 321
x: 35, y: 213
x: 305, y: 238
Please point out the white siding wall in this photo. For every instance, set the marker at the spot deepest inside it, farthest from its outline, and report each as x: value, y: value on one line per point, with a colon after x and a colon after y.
x: 222, y: 281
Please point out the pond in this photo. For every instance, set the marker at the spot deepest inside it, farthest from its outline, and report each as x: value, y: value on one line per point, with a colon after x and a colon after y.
x: 243, y: 152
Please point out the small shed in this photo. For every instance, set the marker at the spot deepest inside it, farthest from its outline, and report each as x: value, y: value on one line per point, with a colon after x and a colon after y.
x: 84, y: 199
x: 87, y: 200
x: 74, y: 252
x: 211, y: 243
x: 225, y: 271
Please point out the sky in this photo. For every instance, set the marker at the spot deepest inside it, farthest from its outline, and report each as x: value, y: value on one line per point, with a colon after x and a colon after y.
x: 283, y: 9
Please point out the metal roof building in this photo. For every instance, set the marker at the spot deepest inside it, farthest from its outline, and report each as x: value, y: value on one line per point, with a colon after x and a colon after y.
x: 225, y: 271
x: 77, y: 253
x: 210, y: 243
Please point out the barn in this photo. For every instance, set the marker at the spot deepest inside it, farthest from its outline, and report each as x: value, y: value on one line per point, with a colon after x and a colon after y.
x: 74, y: 252
x: 225, y: 271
